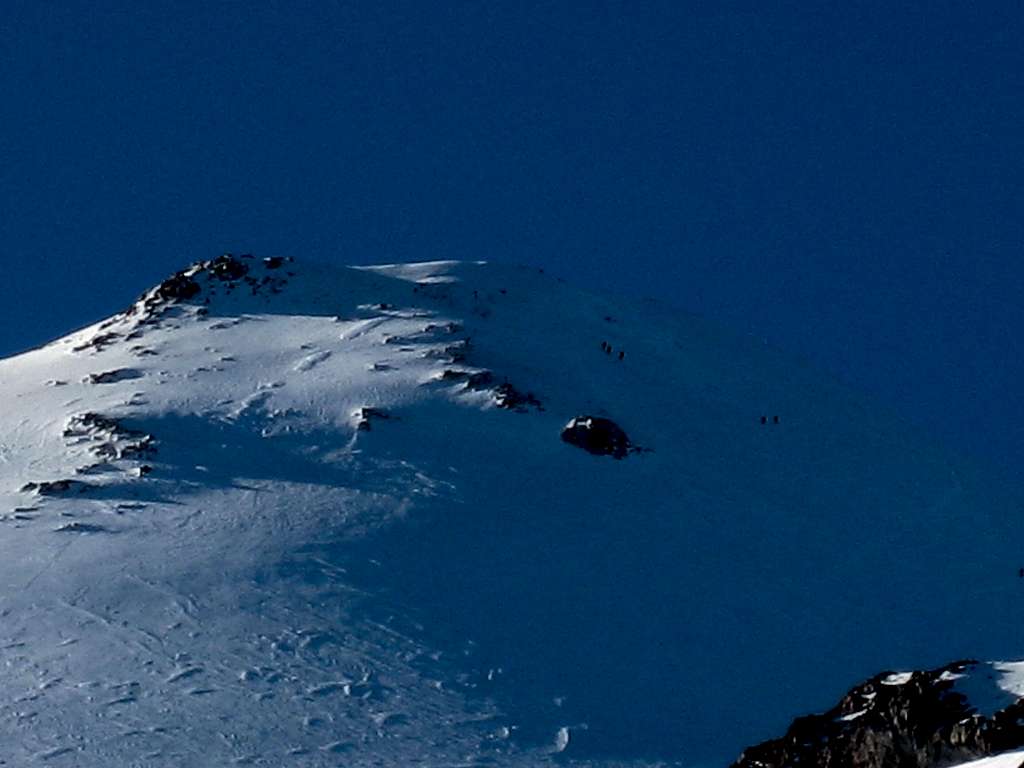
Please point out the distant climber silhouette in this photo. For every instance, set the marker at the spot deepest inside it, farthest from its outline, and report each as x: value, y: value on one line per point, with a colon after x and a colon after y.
x: 621, y: 354
x: 775, y: 420
x: 764, y: 419
x: 604, y: 346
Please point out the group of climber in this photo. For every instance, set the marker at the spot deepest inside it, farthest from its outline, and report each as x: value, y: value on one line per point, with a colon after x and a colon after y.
x: 607, y: 349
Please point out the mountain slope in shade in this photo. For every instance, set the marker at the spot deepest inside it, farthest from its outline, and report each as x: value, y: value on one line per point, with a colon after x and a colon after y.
x: 283, y: 514
x: 920, y: 719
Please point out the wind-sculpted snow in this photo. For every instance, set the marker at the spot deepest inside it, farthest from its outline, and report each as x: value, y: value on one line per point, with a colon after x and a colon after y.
x: 280, y: 514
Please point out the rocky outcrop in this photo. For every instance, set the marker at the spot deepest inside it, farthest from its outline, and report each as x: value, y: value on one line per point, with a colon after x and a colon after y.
x: 108, y: 438
x: 99, y: 342
x: 112, y: 377
x: 597, y: 435
x: 56, y: 487
x: 908, y: 720
x: 365, y: 416
x: 180, y: 286
x: 504, y: 395
x: 201, y: 279
x: 453, y: 353
x: 508, y: 397
x: 474, y: 379
x: 226, y: 267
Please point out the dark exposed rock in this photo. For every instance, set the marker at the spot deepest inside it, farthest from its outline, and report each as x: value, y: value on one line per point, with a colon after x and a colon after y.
x: 600, y: 436
x: 226, y: 267
x: 454, y: 374
x: 507, y: 396
x: 912, y: 721
x: 105, y: 451
x: 453, y: 353
x: 98, y: 342
x: 178, y: 287
x: 112, y: 440
x: 479, y: 380
x: 144, y: 446
x: 97, y: 468
x: 366, y: 414
x: 445, y: 328
x: 188, y: 284
x: 82, y: 423
x: 78, y: 527
x: 56, y: 487
x: 112, y: 377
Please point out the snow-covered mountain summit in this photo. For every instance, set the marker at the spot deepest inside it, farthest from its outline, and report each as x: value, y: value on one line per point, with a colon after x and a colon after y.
x: 284, y: 514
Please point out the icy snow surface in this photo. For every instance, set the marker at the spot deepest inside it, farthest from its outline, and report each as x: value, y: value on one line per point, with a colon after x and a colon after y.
x: 992, y: 686
x: 1007, y: 760
x: 298, y: 530
x: 898, y: 678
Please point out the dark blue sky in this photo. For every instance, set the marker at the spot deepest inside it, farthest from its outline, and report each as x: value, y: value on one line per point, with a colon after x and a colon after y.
x: 845, y: 181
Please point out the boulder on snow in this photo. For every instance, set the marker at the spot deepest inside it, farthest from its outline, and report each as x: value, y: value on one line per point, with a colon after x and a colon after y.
x: 597, y: 435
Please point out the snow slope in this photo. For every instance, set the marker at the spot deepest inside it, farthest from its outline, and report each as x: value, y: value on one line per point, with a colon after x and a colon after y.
x: 1006, y: 760
x: 992, y: 686
x: 301, y: 531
